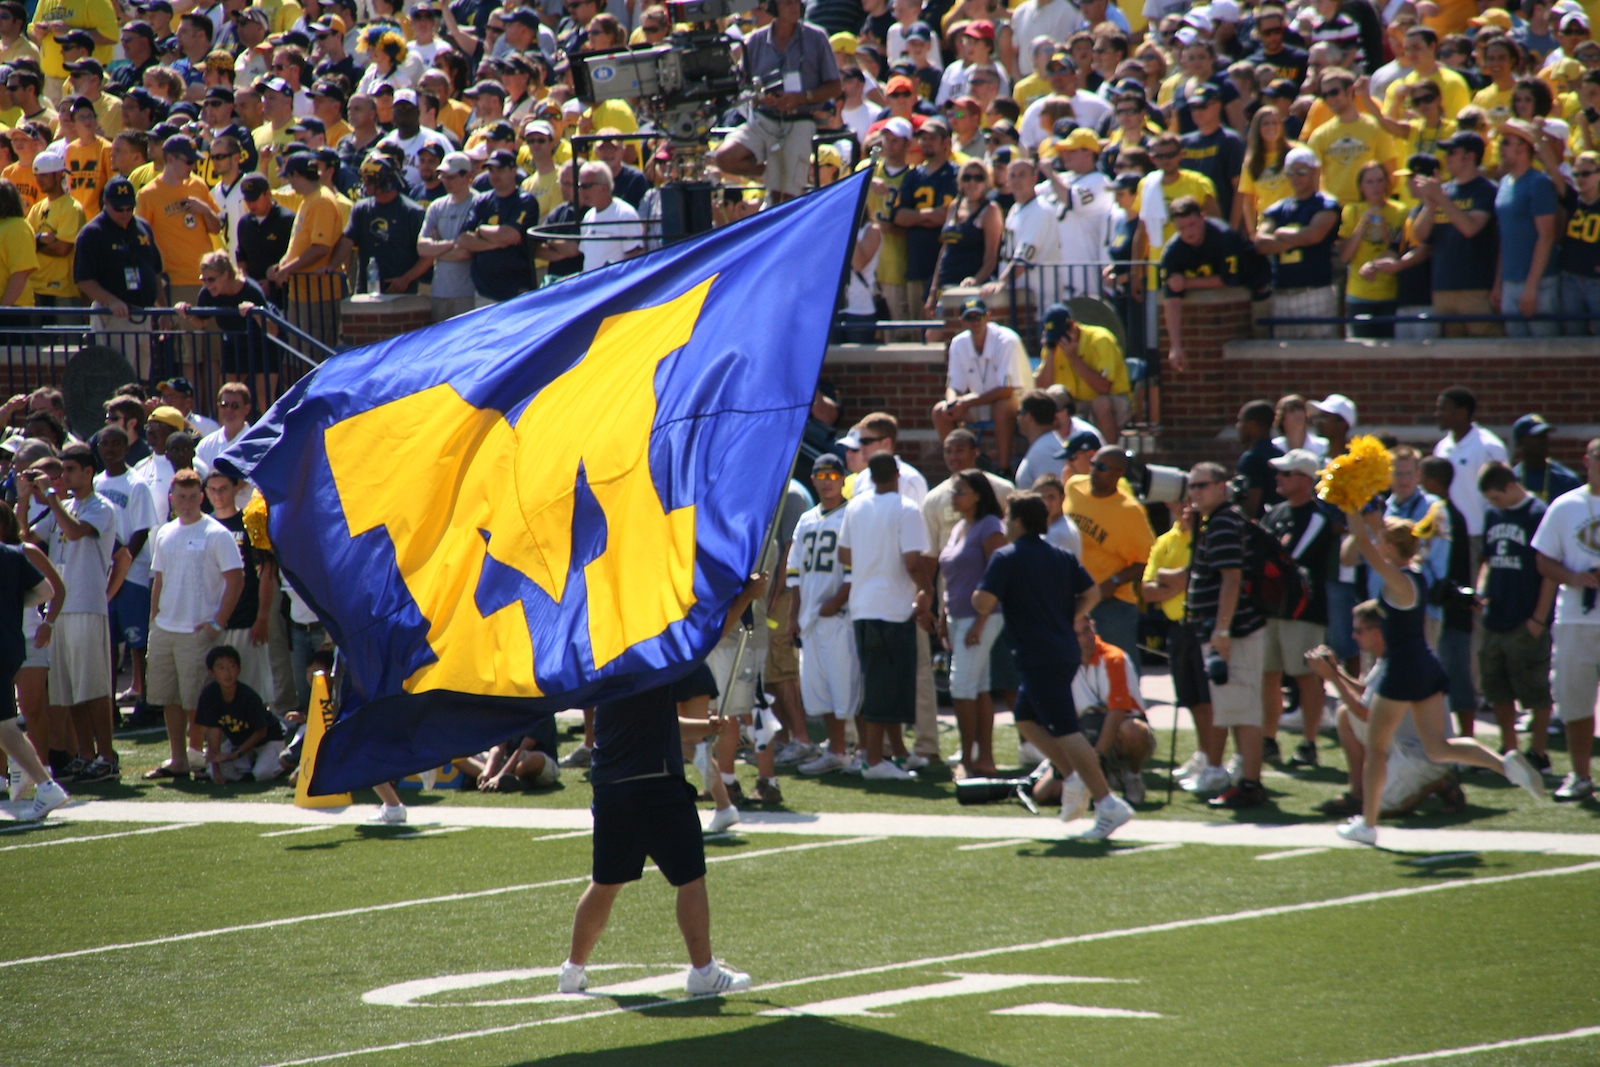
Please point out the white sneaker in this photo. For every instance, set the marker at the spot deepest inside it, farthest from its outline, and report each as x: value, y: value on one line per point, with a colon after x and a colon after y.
x: 47, y: 798
x: 1573, y: 787
x: 915, y: 762
x: 578, y: 757
x: 1074, y: 798
x: 572, y: 978
x: 723, y: 818
x: 1190, y: 767
x: 1235, y: 768
x: 885, y: 770
x: 1211, y: 780
x: 1110, y: 813
x: 1521, y: 772
x: 18, y: 783
x: 1028, y: 755
x: 793, y: 752
x: 826, y: 763
x: 718, y: 977
x: 1133, y: 786
x: 1293, y: 722
x: 390, y: 815
x: 1356, y: 829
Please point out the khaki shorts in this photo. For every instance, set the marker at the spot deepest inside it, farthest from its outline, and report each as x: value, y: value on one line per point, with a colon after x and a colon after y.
x: 80, y: 665
x: 1514, y: 667
x: 175, y: 671
x: 1239, y: 702
x: 1466, y: 302
x: 1575, y: 669
x: 785, y: 148
x: 1288, y: 641
x: 783, y: 661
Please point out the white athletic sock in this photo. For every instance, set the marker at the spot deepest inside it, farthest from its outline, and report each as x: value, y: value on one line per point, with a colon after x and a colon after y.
x: 730, y: 779
x: 706, y: 970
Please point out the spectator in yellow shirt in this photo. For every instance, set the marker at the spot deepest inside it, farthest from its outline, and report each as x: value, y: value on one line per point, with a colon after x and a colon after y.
x: 27, y: 141
x: 54, y: 19
x: 55, y: 220
x: 18, y: 255
x: 88, y: 153
x: 1116, y: 545
x: 311, y: 291
x: 1369, y: 230
x: 1088, y: 361
x: 181, y: 215
x: 1421, y: 51
x: 1350, y: 141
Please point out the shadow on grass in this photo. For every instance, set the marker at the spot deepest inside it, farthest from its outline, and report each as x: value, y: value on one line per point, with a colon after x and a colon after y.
x: 783, y: 1042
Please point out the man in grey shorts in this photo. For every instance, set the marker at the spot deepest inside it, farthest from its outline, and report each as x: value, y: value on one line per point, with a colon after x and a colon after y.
x: 794, y: 64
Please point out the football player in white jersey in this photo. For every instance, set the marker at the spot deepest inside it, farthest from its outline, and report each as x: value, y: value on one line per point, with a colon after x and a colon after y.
x: 1084, y: 206
x: 1032, y: 241
x: 830, y: 674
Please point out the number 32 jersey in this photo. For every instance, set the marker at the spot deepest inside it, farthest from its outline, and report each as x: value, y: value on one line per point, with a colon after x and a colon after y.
x: 814, y: 565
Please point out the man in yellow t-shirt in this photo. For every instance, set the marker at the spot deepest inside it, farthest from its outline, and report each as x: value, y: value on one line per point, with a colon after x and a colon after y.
x: 1349, y: 142
x: 302, y: 272
x: 1116, y: 544
x: 277, y: 112
x: 53, y: 19
x: 1422, y: 56
x: 88, y: 155
x: 181, y: 215
x: 55, y: 220
x: 1088, y: 362
x: 1167, y: 151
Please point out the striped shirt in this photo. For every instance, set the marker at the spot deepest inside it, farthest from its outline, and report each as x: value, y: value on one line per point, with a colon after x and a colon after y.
x: 1220, y: 546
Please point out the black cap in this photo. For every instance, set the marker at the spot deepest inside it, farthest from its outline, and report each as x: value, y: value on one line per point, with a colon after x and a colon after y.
x: 1425, y: 164
x: 178, y: 384
x: 145, y: 99
x: 827, y: 461
x: 974, y: 306
x: 75, y: 39
x: 303, y: 164
x: 184, y: 108
x: 255, y: 185
x: 141, y: 28
x: 525, y: 16
x: 1056, y: 320
x: 220, y: 92
x: 1467, y: 140
x: 501, y: 158
x: 328, y: 155
x: 157, y: 5
x: 309, y: 124
x: 1126, y: 183
x: 1082, y: 441
x: 162, y: 130
x: 1203, y: 94
x: 1063, y: 128
x: 329, y: 89
x: 87, y: 66
x: 119, y: 194
x: 501, y: 131
x: 180, y: 146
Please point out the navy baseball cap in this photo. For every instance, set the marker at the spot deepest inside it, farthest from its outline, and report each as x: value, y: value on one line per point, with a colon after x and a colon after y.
x: 974, y: 307
x: 1082, y: 441
x: 1057, y: 318
x: 1530, y: 426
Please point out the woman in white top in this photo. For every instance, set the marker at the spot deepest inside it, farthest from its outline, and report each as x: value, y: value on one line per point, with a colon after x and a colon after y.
x: 1294, y: 428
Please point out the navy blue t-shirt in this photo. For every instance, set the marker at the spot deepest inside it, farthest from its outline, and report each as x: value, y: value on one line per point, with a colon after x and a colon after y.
x: 1514, y: 580
x: 1255, y: 467
x: 1461, y: 262
x: 637, y: 736
x: 1304, y: 268
x: 922, y: 191
x: 502, y: 273
x: 1218, y: 155
x: 1038, y: 585
x: 17, y: 576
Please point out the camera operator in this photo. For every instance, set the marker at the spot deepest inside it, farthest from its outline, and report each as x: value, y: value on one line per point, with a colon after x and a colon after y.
x: 793, y: 64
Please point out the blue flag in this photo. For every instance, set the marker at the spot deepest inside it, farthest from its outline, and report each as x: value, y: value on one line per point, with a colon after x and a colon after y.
x: 553, y: 501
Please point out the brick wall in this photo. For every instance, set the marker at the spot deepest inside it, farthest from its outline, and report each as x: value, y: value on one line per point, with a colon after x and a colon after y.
x: 363, y: 321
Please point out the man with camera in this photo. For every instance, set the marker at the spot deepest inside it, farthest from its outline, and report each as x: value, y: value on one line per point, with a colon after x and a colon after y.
x: 1232, y: 633
x: 793, y: 64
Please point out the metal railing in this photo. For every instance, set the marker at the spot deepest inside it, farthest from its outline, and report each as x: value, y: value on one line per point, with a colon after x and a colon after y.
x: 1419, y: 318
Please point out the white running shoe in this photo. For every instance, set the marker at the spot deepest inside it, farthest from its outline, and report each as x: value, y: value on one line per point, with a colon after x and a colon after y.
x: 1521, y: 772
x: 1133, y: 786
x: 825, y: 763
x: 572, y: 978
x: 1210, y: 781
x: 1074, y: 798
x: 791, y: 753
x: 1356, y: 829
x: 1028, y: 755
x: 886, y: 770
x: 717, y: 977
x: 723, y: 818
x: 1573, y: 787
x: 18, y: 783
x: 1190, y: 767
x: 390, y: 815
x: 1110, y: 812
x: 47, y: 798
x: 1235, y: 768
x: 915, y: 762
x: 578, y: 757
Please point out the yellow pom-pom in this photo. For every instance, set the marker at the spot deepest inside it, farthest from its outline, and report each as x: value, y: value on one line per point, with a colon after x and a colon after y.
x: 255, y: 522
x: 1351, y: 481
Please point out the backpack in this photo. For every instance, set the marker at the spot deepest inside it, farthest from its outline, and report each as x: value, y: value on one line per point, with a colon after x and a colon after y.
x: 1273, y: 580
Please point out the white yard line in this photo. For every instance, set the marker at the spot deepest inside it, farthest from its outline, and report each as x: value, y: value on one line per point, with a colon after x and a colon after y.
x: 101, y: 837
x: 448, y: 898
x: 1468, y: 1050
x: 1293, y: 853
x: 934, y: 961
x: 1164, y: 847
x: 300, y: 830
x: 563, y: 837
x: 996, y: 844
x: 849, y: 824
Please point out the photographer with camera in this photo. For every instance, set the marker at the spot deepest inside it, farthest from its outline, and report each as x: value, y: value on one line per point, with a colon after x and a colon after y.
x: 1231, y: 631
x: 793, y: 64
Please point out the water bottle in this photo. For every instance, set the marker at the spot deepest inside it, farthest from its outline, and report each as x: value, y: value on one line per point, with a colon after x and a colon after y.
x: 374, y: 283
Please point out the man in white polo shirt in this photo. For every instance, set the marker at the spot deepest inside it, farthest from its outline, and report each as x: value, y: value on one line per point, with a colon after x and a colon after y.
x: 983, y: 383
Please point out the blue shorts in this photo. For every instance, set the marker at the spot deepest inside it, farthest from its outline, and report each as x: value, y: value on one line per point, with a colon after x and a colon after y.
x: 1045, y: 697
x: 130, y: 616
x: 648, y: 817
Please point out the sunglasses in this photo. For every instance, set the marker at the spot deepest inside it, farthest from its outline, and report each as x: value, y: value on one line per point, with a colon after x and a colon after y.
x: 1270, y: 31
x: 899, y: 92
x: 872, y: 440
x: 1163, y: 155
x: 1429, y: 99
x: 973, y: 178
x: 1585, y: 173
x: 826, y: 476
x: 1193, y: 485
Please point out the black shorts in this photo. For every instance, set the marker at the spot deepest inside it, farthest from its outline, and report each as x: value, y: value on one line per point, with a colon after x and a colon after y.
x: 649, y: 817
x: 888, y: 652
x: 1045, y: 697
x: 699, y: 682
x: 8, y: 691
x: 1188, y: 666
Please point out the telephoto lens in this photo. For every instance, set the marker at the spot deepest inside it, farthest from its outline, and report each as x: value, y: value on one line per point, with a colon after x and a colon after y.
x: 987, y: 790
x: 1216, y: 668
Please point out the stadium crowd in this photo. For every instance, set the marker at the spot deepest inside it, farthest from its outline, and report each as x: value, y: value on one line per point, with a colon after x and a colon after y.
x: 1331, y: 157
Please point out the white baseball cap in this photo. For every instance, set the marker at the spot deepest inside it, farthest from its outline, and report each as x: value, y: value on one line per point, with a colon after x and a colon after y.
x: 1224, y: 11
x: 50, y: 161
x: 456, y: 163
x: 1337, y: 404
x: 899, y: 127
x: 1297, y: 460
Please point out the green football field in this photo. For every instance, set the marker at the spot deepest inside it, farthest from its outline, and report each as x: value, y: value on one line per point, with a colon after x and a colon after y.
x: 165, y: 925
